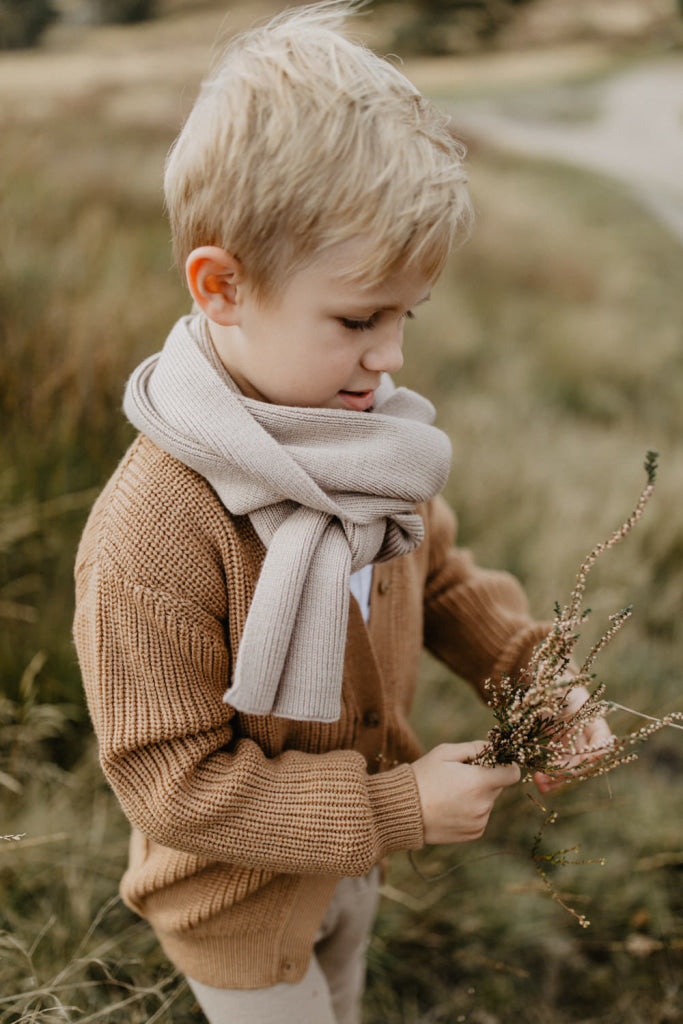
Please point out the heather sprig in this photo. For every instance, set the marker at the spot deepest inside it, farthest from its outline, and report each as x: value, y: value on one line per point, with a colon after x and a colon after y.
x: 558, y: 857
x: 543, y: 714
x: 539, y: 713
x: 542, y: 717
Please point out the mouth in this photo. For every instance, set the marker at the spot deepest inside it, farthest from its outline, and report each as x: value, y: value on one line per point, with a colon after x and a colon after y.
x: 359, y: 401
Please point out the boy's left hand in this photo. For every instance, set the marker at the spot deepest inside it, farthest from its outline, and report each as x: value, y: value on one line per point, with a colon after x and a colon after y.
x: 595, y: 734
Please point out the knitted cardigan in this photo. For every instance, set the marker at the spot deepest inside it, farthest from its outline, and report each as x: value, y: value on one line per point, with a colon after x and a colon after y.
x: 243, y: 824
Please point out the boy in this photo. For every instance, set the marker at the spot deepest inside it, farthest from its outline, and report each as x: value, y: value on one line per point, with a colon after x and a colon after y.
x: 252, y: 715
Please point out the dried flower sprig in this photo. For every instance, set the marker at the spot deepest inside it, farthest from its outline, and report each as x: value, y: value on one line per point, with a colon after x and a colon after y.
x: 539, y: 725
x: 559, y: 857
x: 543, y: 713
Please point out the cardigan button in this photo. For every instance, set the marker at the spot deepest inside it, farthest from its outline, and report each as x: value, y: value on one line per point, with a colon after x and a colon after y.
x: 384, y: 586
x: 371, y: 719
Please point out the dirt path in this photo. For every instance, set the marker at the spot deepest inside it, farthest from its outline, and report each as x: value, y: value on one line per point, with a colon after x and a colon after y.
x: 633, y: 131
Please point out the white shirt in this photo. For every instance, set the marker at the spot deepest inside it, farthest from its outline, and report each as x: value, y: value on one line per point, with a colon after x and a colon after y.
x: 361, y: 586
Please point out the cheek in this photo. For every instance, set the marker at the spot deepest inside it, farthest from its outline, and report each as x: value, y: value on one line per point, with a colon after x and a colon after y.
x: 321, y: 354
x: 335, y: 367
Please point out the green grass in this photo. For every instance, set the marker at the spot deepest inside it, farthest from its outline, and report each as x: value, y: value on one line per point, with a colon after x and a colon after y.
x: 552, y: 350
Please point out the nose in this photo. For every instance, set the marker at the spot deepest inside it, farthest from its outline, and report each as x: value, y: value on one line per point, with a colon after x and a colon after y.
x: 385, y: 352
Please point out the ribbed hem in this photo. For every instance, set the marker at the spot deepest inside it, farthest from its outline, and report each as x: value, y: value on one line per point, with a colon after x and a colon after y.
x: 246, y: 958
x: 395, y: 803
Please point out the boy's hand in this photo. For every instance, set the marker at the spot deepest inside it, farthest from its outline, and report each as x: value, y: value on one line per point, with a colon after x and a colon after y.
x: 456, y: 797
x: 596, y: 734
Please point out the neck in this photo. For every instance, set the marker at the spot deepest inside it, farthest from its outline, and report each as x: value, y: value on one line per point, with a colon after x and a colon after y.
x: 226, y: 339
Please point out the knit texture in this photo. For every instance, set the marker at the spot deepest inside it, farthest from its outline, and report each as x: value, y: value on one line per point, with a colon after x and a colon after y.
x: 242, y: 824
x: 328, y: 491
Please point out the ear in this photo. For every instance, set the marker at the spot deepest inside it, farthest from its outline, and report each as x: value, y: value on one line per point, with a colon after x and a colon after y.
x: 214, y: 278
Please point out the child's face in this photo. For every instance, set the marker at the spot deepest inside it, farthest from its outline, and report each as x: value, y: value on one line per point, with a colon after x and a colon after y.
x: 321, y: 341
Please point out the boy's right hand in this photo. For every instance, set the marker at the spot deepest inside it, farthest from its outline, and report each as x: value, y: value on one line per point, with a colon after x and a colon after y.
x: 457, y: 798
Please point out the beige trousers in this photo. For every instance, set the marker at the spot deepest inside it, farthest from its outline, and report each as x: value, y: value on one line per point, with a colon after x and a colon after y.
x: 332, y: 988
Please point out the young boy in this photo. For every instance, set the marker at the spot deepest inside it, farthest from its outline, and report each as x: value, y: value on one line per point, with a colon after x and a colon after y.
x: 252, y: 714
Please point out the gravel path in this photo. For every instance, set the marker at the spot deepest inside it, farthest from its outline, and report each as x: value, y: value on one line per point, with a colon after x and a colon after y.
x: 633, y: 131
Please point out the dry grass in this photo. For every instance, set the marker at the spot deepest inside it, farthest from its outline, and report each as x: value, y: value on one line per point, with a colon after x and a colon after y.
x: 552, y: 350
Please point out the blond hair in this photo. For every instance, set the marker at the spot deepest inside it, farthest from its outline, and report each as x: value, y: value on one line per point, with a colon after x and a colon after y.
x: 302, y: 138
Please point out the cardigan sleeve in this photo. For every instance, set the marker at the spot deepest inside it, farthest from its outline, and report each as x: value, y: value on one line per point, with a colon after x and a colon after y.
x: 477, y: 620
x: 155, y: 665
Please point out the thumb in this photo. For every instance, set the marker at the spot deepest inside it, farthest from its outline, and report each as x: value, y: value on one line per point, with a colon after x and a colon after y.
x: 499, y: 775
x: 461, y: 751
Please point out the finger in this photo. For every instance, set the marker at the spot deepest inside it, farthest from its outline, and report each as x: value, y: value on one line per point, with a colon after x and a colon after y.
x: 547, y: 783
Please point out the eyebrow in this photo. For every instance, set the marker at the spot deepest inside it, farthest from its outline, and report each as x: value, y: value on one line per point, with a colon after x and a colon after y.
x: 390, y: 309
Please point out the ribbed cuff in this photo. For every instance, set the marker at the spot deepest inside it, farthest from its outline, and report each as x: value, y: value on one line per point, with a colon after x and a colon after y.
x: 397, y: 810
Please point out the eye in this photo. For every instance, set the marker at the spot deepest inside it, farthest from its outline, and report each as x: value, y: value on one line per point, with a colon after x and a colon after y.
x: 358, y: 325
x: 365, y: 325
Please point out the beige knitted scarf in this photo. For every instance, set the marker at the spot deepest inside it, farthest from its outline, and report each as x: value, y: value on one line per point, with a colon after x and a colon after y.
x: 327, y: 491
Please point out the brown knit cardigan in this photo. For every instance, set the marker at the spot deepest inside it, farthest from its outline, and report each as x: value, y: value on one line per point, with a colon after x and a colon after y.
x: 243, y: 824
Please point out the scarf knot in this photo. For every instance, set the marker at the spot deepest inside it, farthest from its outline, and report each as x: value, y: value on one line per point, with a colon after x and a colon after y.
x: 328, y: 491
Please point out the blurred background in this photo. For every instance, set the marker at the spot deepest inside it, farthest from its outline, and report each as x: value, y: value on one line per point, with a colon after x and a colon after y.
x: 553, y: 350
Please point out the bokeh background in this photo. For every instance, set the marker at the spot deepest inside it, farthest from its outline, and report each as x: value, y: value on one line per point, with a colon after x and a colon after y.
x: 553, y: 350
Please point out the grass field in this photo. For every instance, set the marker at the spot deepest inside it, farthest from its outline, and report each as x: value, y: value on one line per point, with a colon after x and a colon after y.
x: 552, y: 350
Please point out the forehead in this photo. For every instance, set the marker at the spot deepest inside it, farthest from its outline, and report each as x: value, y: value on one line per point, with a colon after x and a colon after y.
x: 337, y: 274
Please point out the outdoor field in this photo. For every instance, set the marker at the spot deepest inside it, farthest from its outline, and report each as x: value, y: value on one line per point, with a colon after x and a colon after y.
x: 552, y: 348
